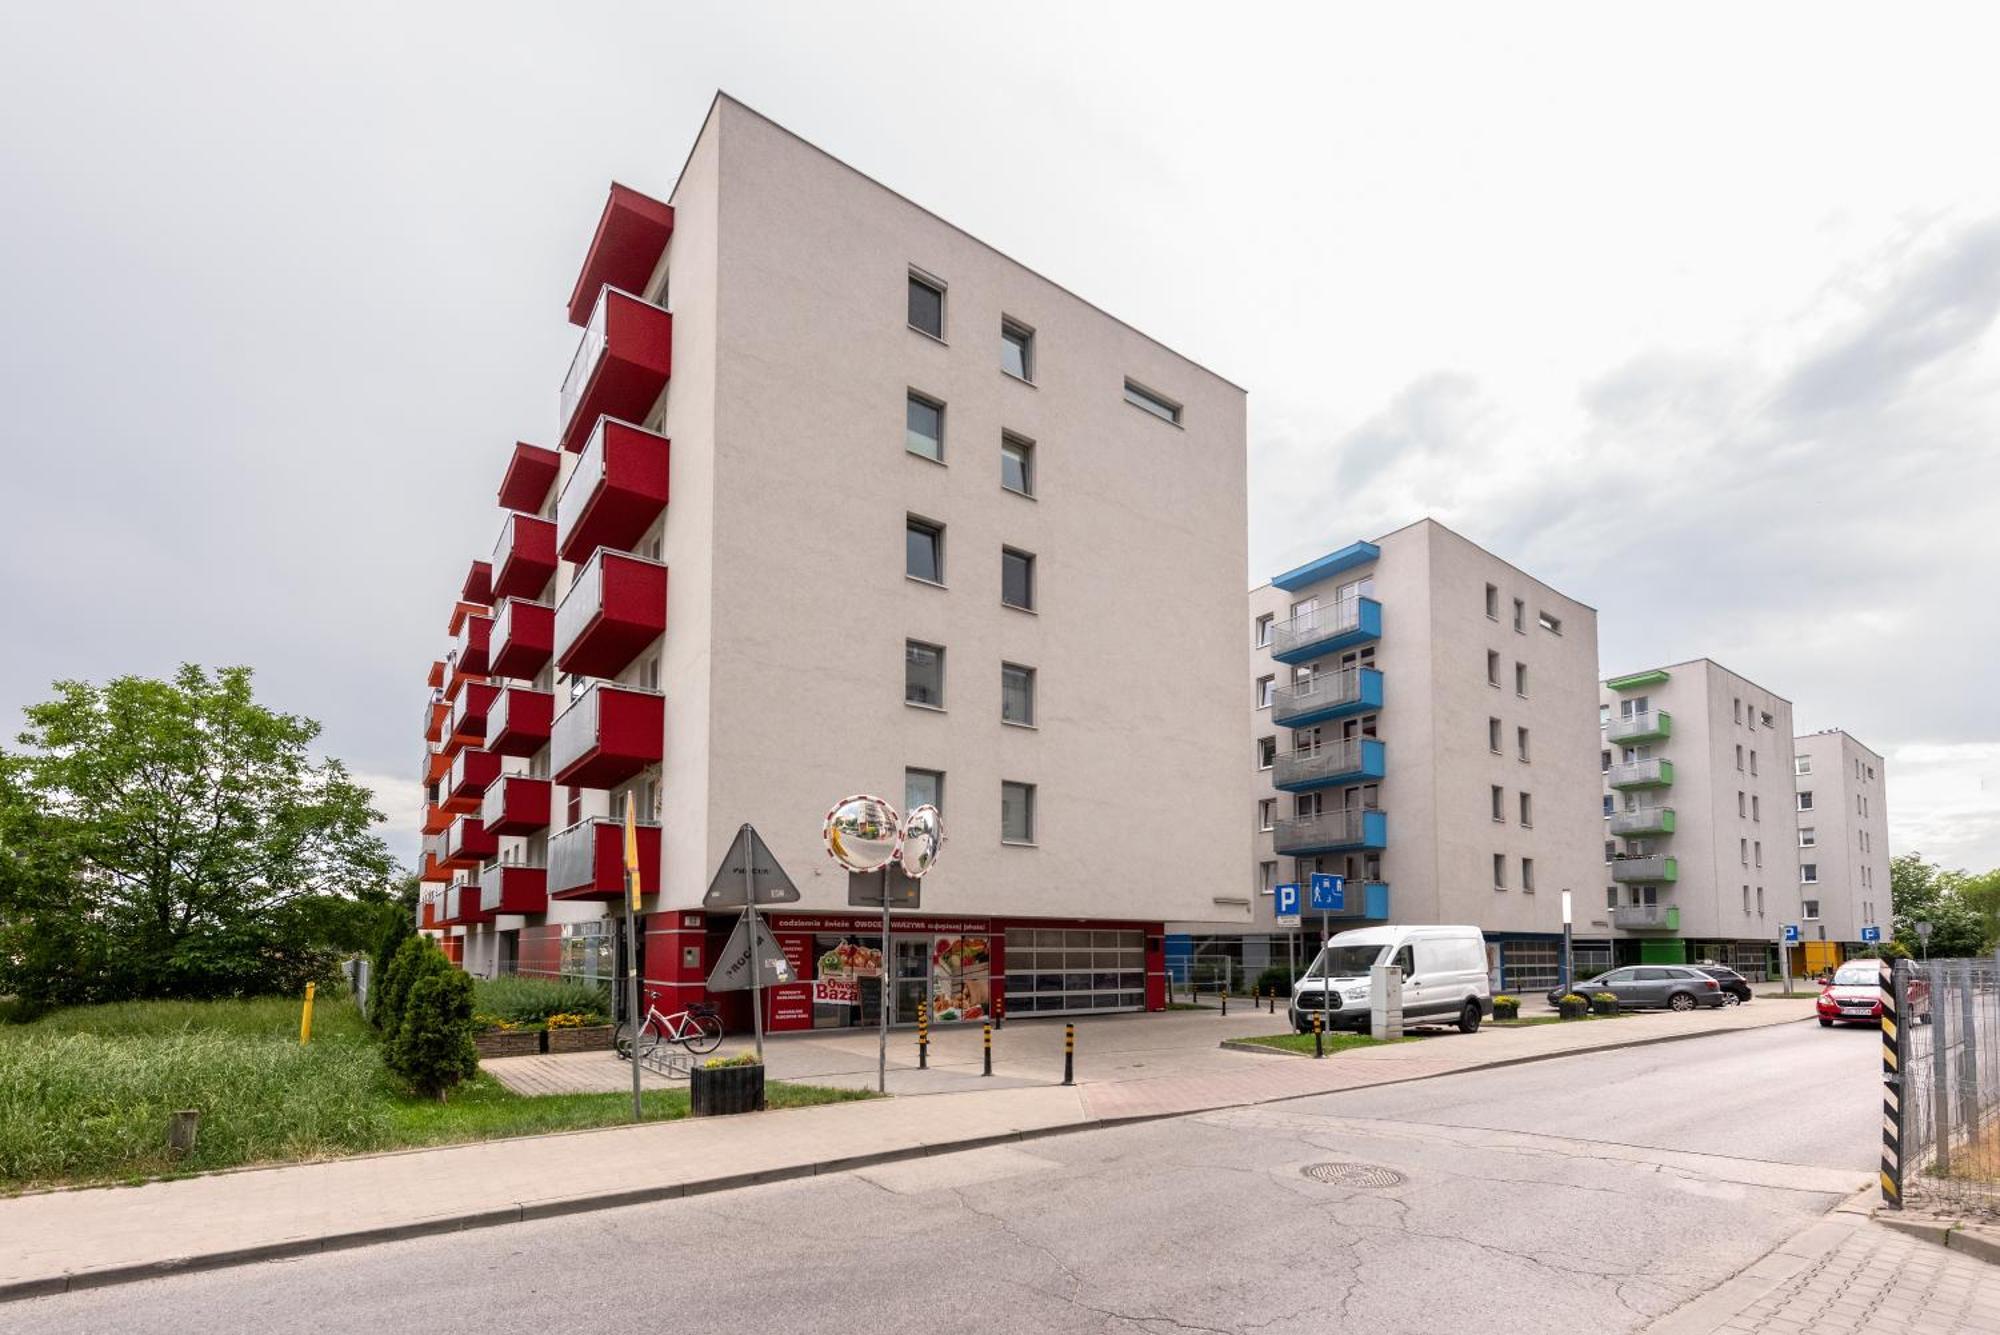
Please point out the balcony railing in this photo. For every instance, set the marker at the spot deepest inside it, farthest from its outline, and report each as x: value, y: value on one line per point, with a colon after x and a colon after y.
x: 478, y: 586
x: 1332, y: 831
x: 616, y: 607
x: 515, y: 804
x: 1653, y: 773
x: 519, y: 722
x: 621, y: 364
x: 469, y: 712
x: 1649, y: 725
x: 468, y: 842
x: 471, y: 770
x: 607, y: 735
x: 1652, y: 869
x: 1643, y: 820
x: 531, y: 471
x: 465, y: 906
x: 524, y: 638
x: 1337, y: 625
x: 1646, y: 917
x: 524, y: 556
x: 587, y: 860
x: 1325, y: 696
x: 471, y: 656
x: 617, y: 490
x: 513, y: 887
x: 631, y: 235
x: 1347, y: 759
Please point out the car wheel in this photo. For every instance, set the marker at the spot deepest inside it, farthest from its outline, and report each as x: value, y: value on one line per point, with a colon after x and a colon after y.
x: 1681, y: 1001
x: 1825, y: 1023
x: 1468, y: 1019
x: 1731, y: 999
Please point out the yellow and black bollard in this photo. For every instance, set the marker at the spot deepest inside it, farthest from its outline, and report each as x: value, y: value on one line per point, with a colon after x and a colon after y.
x: 923, y: 1037
x: 999, y: 1012
x: 1271, y: 993
x: 989, y: 1050
x: 1069, y: 1054
x: 1319, y: 1033
x: 1225, y: 1001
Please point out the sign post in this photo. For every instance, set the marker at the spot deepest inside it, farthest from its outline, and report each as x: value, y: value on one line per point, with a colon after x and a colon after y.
x: 1568, y: 959
x: 1785, y: 953
x: 864, y: 835
x: 1329, y: 896
x: 1285, y: 913
x: 890, y: 887
x: 632, y: 1016
x: 749, y: 876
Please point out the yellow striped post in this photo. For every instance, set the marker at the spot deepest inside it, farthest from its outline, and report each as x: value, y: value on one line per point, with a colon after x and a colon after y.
x: 1069, y: 1054
x: 988, y: 1036
x: 1319, y: 1030
x: 923, y: 1037
x: 1892, y: 1089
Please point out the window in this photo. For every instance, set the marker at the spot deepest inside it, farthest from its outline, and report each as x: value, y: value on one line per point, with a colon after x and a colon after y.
x: 1604, y: 761
x: 1499, y: 871
x: 1743, y: 851
x: 1017, y: 579
x: 1801, y: 764
x: 1756, y: 808
x: 1739, y: 756
x: 1609, y: 805
x: 1493, y: 601
x: 1809, y: 909
x: 1521, y: 742
x: 1610, y: 850
x: 1499, y: 804
x: 1017, y: 694
x: 926, y: 306
x: 923, y: 427
x: 1765, y: 715
x: 1551, y: 624
x: 1757, y: 851
x: 1017, y: 350
x: 923, y: 551
x: 1527, y: 810
x: 1492, y: 667
x: 1521, y: 680
x: 1267, y: 813
x: 1527, y: 875
x: 1140, y: 397
x: 1017, y: 813
x: 1805, y: 801
x: 922, y: 786
x: 1746, y: 901
x: 923, y: 674
x: 1266, y: 688
x: 1017, y: 463
x: 1267, y: 877
x: 1750, y: 719
x: 1808, y: 873
x: 1264, y: 630
x: 1871, y: 773
x: 1736, y: 708
x: 1753, y: 764
x: 1603, y: 717
x: 1493, y: 735
x: 1760, y: 901
x: 1267, y: 752
x: 1520, y: 616
x: 1742, y: 805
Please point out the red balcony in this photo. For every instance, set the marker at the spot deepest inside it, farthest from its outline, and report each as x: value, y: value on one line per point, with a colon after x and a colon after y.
x: 471, y: 657
x: 478, y: 586
x: 436, y: 710
x: 587, y: 861
x: 518, y: 724
x: 464, y: 905
x: 508, y: 887
x: 471, y: 770
x: 437, y: 765
x: 616, y: 492
x: 459, y: 612
x: 468, y: 714
x: 524, y: 558
x: 436, y: 678
x: 431, y: 866
x: 620, y: 367
x: 607, y: 735
x: 436, y: 819
x: 530, y: 473
x: 427, y: 912
x: 524, y: 638
x: 468, y: 843
x: 617, y: 607
x: 516, y: 804
x: 631, y: 236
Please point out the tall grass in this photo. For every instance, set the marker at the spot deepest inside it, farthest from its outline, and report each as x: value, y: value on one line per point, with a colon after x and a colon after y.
x: 531, y: 1001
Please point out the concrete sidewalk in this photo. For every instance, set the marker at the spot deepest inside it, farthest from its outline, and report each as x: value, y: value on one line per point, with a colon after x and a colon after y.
x: 71, y: 1239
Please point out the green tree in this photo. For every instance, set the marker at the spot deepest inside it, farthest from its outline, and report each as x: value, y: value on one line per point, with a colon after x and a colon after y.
x: 433, y: 1048
x: 176, y: 839
x: 405, y: 966
x: 1922, y: 891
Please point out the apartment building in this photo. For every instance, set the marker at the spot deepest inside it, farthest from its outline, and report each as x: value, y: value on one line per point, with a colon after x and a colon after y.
x: 1843, y: 826
x: 697, y: 598
x: 1700, y: 844
x: 1420, y: 718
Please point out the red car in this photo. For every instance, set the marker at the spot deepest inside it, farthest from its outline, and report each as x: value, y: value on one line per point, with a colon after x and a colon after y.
x: 1855, y: 997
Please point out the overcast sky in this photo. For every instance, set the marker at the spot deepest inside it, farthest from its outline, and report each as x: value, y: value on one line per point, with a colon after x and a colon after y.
x: 1692, y: 317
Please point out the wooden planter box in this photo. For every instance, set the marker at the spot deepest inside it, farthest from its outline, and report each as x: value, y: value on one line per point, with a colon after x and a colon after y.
x: 508, y: 1042
x: 717, y: 1091
x: 1604, y: 1005
x: 590, y: 1038
x: 1573, y: 1010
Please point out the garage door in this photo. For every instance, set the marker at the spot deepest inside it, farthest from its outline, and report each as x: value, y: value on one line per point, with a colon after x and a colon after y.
x: 1055, y: 970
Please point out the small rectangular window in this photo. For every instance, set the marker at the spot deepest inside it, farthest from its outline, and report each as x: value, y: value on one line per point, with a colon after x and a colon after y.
x: 1736, y: 708
x: 926, y: 306
x: 1264, y: 624
x: 1809, y: 909
x: 1499, y: 871
x: 1017, y: 813
x: 1017, y: 579
x: 1739, y: 755
x: 1266, y: 688
x: 1742, y: 805
x: 1267, y: 752
x: 1017, y: 463
x: 1527, y: 874
x: 1757, y: 851
x: 1809, y: 873
x: 1163, y: 408
x: 1017, y: 350
x: 1753, y: 764
x: 1492, y: 667
x: 1527, y: 810
x: 1521, y: 742
x: 1746, y: 901
x: 1017, y: 694
x: 1267, y: 813
x: 1521, y: 680
x: 923, y: 551
x: 1604, y: 761
x: 1609, y: 804
x: 1801, y: 764
x: 923, y: 674
x: 1610, y: 850
x: 1499, y: 804
x: 1805, y: 801
x: 923, y: 787
x: 1808, y: 836
x: 1756, y: 808
x: 923, y: 427
x: 1493, y: 735
x: 1551, y: 624
x: 1493, y: 601
x: 1520, y: 616
x: 1760, y: 901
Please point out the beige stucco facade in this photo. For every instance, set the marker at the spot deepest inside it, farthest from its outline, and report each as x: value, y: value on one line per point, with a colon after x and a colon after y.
x: 1843, y: 836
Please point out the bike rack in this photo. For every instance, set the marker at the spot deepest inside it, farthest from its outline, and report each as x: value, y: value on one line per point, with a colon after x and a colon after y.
x: 672, y: 1065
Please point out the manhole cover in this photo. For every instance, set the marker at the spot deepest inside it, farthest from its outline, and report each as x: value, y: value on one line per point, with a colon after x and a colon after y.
x: 1352, y: 1174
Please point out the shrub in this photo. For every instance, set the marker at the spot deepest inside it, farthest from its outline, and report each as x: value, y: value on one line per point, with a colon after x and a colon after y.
x: 1506, y: 1007
x: 409, y: 962
x: 395, y: 932
x: 1275, y: 979
x: 531, y: 1003
x: 740, y: 1059
x: 433, y: 1050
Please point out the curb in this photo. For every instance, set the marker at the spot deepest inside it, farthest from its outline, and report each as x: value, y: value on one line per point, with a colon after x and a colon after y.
x: 553, y: 1207
x: 1979, y: 1243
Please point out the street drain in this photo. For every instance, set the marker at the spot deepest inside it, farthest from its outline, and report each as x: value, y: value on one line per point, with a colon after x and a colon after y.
x: 1353, y: 1174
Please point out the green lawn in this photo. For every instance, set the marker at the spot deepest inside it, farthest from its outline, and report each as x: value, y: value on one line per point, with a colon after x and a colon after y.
x: 1334, y: 1042
x: 85, y: 1093
x: 1552, y: 1019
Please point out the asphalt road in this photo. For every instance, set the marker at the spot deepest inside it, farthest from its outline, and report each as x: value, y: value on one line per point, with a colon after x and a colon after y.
x: 1587, y: 1194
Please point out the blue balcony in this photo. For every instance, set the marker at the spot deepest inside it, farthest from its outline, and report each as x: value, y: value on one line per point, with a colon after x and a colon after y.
x: 1345, y: 830
x: 1326, y: 630
x: 1350, y: 557
x: 1346, y: 760
x: 1374, y: 905
x: 1326, y: 697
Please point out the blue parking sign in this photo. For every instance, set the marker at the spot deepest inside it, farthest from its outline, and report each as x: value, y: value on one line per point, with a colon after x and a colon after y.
x: 1791, y: 933
x: 1285, y: 899
x: 1871, y: 934
x: 1329, y: 893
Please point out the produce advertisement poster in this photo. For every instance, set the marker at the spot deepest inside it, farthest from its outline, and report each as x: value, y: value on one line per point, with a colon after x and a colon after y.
x: 836, y: 992
x: 849, y: 960
x: 961, y: 979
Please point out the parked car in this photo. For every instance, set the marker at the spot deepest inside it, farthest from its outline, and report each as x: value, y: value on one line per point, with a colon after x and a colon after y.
x: 1854, y: 996
x: 1675, y: 987
x: 1444, y: 977
x: 1735, y: 987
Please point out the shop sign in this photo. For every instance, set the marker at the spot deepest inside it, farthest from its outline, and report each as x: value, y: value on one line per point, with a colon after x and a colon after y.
x: 808, y: 922
x: 836, y: 992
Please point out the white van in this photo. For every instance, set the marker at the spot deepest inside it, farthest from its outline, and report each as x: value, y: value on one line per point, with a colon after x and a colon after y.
x: 1444, y: 977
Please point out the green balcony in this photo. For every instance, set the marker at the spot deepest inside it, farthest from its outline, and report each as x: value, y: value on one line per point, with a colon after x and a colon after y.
x: 1642, y: 821
x: 1650, y: 725
x: 1652, y: 869
x: 1646, y: 917
x: 1638, y: 774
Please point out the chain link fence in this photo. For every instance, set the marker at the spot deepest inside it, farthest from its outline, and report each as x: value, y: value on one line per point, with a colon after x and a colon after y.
x: 1950, y: 1040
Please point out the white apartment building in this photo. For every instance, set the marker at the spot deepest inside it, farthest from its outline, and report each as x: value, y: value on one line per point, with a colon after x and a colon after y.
x: 1700, y: 844
x: 699, y: 599
x: 1420, y: 723
x: 1843, y: 828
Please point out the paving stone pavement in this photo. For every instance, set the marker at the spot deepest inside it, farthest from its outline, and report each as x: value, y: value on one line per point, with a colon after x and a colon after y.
x: 1879, y: 1280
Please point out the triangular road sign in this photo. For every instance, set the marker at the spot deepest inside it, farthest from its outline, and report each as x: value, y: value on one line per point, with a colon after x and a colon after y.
x: 767, y: 882
x: 732, y: 972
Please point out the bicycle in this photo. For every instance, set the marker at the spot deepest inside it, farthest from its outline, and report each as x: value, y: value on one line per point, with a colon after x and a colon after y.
x: 698, y: 1029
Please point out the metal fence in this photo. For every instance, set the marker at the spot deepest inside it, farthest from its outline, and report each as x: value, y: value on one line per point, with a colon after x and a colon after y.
x: 1950, y: 1086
